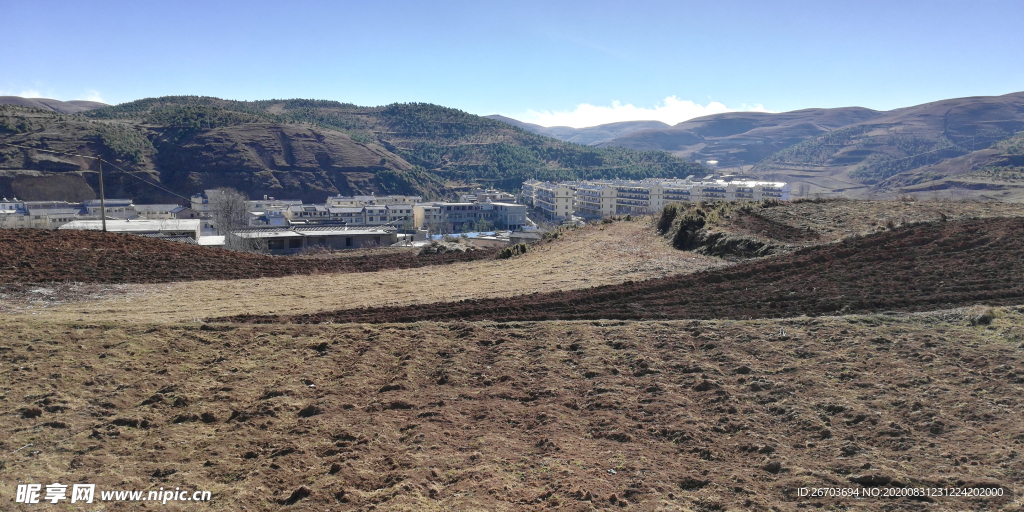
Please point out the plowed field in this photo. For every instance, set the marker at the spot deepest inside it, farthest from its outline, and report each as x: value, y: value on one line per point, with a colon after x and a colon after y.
x: 656, y: 416
x: 914, y: 268
x: 42, y: 256
x: 649, y: 388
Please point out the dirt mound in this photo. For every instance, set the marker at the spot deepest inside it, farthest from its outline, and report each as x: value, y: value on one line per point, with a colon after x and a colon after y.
x: 41, y: 256
x: 738, y: 231
x: 914, y: 268
x: 754, y: 222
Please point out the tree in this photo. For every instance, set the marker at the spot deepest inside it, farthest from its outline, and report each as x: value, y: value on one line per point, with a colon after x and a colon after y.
x: 230, y: 211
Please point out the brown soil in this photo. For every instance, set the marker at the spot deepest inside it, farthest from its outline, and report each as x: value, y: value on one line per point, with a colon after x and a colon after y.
x: 594, y: 256
x: 121, y: 385
x: 914, y: 268
x: 804, y: 223
x: 41, y: 256
x: 687, y: 415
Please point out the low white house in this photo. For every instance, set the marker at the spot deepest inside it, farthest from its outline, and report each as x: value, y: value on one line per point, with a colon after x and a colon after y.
x: 195, y: 228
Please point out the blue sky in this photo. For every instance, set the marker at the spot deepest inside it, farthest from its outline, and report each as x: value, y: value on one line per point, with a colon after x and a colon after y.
x: 575, y: 63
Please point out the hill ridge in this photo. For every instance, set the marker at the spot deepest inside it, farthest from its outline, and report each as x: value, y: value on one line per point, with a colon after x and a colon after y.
x: 853, y: 151
x: 308, y: 149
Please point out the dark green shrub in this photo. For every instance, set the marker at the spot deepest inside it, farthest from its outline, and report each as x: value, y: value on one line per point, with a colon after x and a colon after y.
x: 515, y: 250
x: 668, y: 215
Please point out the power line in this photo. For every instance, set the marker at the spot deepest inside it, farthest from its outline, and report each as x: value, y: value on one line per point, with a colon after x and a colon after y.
x: 129, y: 173
x: 132, y: 174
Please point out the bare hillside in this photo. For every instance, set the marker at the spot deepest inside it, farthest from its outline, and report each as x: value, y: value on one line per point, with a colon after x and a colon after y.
x: 61, y: 107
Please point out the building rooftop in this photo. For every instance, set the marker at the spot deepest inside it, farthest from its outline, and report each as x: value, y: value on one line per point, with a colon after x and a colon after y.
x: 299, y: 231
x: 138, y: 225
x: 211, y: 240
x: 107, y: 202
x: 54, y: 211
x: 156, y: 207
x: 171, y: 238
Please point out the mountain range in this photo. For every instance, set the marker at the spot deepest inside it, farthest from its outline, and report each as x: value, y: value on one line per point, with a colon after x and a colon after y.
x: 959, y: 147
x: 62, y: 107
x: 165, y: 149
x: 592, y: 136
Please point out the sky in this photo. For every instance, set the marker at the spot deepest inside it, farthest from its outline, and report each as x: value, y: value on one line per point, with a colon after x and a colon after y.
x: 568, y: 63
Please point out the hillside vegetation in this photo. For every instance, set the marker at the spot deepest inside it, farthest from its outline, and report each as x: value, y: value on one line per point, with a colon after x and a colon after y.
x: 949, y: 148
x: 302, y: 148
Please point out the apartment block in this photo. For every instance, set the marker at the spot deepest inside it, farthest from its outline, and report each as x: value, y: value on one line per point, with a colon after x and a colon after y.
x: 115, y: 208
x: 463, y: 216
x: 427, y: 216
x: 350, y: 201
x: 600, y: 198
x: 595, y: 200
x: 489, y: 195
x: 554, y: 199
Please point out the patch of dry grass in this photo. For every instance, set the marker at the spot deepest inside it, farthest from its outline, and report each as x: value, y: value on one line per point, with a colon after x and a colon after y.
x: 834, y: 220
x: 591, y: 256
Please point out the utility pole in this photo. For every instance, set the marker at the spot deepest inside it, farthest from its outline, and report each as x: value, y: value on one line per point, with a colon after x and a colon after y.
x: 103, y: 202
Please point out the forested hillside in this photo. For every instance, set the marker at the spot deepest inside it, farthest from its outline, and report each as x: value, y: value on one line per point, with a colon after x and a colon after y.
x: 301, y: 148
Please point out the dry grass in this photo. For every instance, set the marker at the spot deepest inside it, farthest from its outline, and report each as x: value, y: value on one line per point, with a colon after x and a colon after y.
x: 591, y: 256
x: 838, y: 219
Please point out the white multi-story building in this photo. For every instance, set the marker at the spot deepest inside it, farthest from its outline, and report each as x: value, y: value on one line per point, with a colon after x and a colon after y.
x: 376, y: 215
x: 490, y: 195
x: 600, y: 198
x: 427, y: 216
x: 595, y: 200
x: 13, y: 214
x: 505, y: 215
x: 465, y: 216
x: 270, y: 203
x: 530, y: 191
x: 350, y: 215
x: 399, y: 214
x: 307, y: 212
x: 350, y: 201
x: 156, y: 211
x: 634, y: 197
x: 554, y: 199
x: 115, y: 208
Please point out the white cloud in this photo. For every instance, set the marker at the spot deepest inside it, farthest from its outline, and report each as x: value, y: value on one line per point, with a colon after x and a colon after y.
x: 93, y: 95
x: 24, y: 93
x: 672, y: 111
x: 88, y: 95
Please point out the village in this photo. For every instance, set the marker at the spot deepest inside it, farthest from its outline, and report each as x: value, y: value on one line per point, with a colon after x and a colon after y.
x: 482, y: 217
